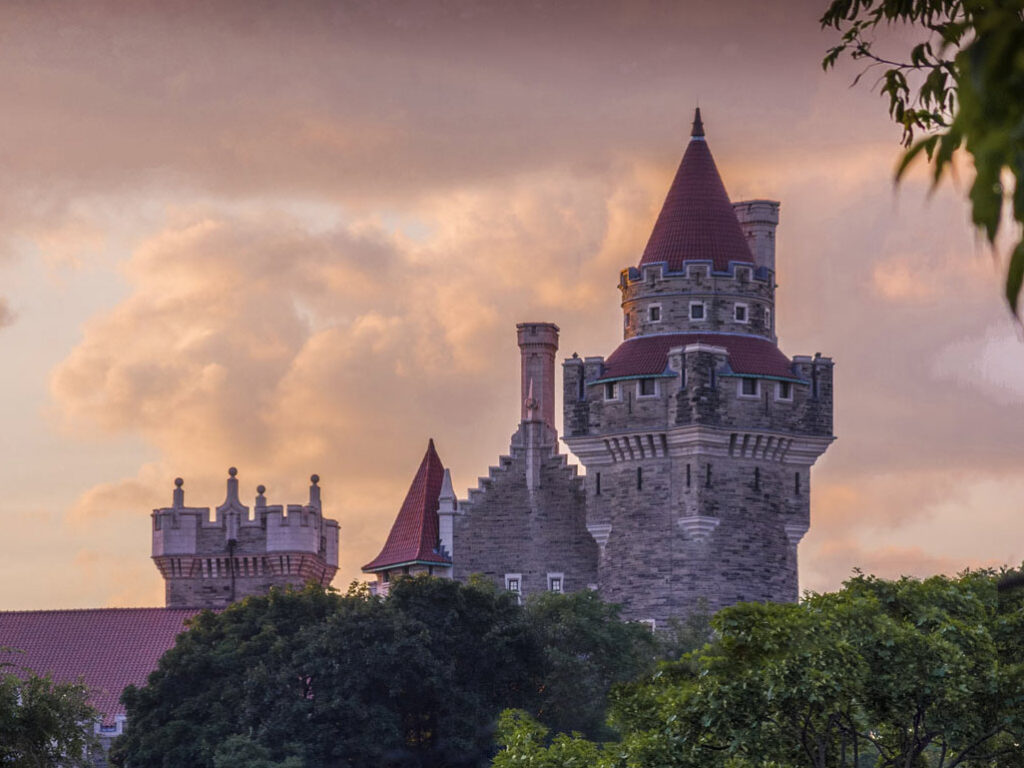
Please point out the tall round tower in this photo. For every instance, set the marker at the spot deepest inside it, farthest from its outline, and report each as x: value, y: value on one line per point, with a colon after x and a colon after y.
x: 697, y: 432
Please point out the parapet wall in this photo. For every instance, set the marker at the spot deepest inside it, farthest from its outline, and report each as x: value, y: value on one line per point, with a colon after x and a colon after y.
x: 210, y: 560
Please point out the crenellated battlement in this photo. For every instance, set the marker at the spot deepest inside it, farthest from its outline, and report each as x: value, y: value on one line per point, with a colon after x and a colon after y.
x: 210, y: 559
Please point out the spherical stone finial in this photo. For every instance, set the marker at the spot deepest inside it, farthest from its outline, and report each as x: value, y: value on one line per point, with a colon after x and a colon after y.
x: 232, y: 471
x: 261, y: 489
x: 314, y: 479
x: 178, y: 482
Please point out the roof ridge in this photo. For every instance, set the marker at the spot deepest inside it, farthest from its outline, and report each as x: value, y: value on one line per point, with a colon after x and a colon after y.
x: 98, y: 610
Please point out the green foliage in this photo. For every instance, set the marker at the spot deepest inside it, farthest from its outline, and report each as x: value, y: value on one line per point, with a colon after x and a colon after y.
x: 683, y: 636
x: 902, y: 674
x: 316, y: 678
x: 587, y: 649
x: 525, y: 744
x: 963, y: 85
x: 417, y: 679
x: 44, y: 724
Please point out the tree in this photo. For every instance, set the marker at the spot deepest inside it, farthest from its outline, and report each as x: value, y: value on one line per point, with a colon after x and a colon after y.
x: 317, y: 678
x: 587, y: 649
x: 962, y: 85
x: 903, y: 674
x: 44, y: 724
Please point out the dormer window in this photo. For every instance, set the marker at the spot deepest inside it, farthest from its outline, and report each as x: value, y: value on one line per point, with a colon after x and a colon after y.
x: 611, y: 390
x: 647, y: 388
x: 749, y: 388
x: 783, y: 390
x: 654, y: 313
x: 697, y: 310
x: 740, y: 313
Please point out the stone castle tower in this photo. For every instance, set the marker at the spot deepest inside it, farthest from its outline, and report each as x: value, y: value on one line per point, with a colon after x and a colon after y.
x: 697, y: 432
x: 211, y: 563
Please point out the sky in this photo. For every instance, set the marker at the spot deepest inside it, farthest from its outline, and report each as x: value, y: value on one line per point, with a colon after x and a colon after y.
x: 296, y: 238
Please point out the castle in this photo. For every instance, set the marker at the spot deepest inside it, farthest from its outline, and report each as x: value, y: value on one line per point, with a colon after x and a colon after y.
x: 697, y: 434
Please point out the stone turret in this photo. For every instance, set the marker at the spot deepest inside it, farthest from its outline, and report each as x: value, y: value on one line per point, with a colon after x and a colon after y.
x: 210, y: 563
x: 697, y: 432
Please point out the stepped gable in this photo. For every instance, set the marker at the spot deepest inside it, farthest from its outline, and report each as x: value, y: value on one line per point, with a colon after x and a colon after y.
x: 648, y: 355
x: 697, y: 219
x: 414, y: 537
x: 108, y: 648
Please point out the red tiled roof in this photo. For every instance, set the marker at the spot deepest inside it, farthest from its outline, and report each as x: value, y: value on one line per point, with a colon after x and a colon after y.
x: 414, y: 536
x: 648, y: 355
x: 109, y: 648
x: 697, y: 220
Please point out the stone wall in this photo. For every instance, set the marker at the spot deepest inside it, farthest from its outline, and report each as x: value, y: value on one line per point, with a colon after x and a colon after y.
x: 504, y: 528
x: 719, y: 292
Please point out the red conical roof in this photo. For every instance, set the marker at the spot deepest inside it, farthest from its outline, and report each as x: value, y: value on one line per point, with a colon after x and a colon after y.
x: 414, y: 536
x: 697, y: 220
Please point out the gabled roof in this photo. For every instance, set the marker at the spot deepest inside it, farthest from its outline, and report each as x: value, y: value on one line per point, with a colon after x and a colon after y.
x: 696, y: 220
x: 414, y: 536
x: 109, y: 648
x: 648, y: 355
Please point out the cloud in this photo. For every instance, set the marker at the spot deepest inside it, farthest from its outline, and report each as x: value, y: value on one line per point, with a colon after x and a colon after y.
x: 284, y: 344
x: 990, y: 365
x: 7, y: 315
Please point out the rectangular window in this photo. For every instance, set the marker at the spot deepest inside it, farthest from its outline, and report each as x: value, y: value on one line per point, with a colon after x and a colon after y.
x: 749, y: 388
x: 687, y: 475
x: 611, y: 390
x: 555, y: 582
x: 513, y: 583
x: 696, y: 310
x: 783, y: 390
x: 597, y: 483
x: 707, y: 476
x: 639, y: 479
x: 654, y: 313
x: 648, y: 388
x: 739, y: 313
x: 767, y: 319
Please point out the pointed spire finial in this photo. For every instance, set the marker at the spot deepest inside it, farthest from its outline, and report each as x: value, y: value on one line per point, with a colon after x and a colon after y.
x: 232, y: 497
x: 314, y: 491
x: 447, y: 491
x: 698, y: 126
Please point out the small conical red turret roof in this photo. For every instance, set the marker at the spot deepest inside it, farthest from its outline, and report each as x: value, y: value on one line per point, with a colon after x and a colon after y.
x: 414, y: 536
x: 697, y: 220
